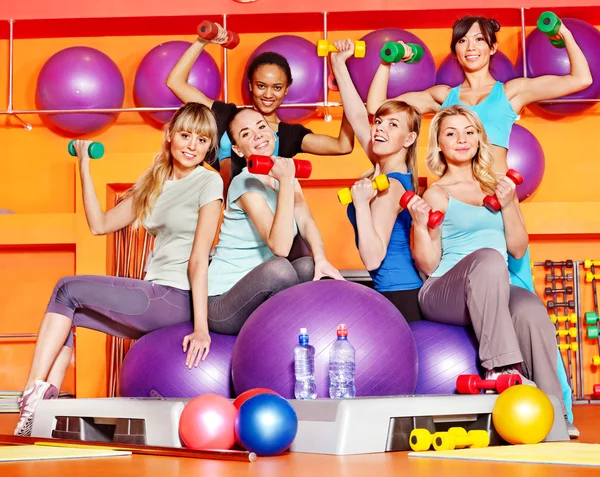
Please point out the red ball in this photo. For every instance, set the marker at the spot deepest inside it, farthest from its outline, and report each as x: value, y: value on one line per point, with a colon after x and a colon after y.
x: 242, y: 398
x: 207, y: 422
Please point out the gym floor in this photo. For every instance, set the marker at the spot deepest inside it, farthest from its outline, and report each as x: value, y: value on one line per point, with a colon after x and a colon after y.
x: 295, y: 464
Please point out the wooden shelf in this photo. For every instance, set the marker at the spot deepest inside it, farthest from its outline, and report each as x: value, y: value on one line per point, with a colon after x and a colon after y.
x: 37, y: 229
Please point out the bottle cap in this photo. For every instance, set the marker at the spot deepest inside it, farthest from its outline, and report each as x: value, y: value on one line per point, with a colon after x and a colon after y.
x: 342, y: 330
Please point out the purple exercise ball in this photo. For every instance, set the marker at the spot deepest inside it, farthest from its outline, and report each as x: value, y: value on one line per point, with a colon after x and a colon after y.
x: 445, y: 352
x: 307, y: 74
x: 525, y: 155
x: 80, y: 78
x: 404, y: 77
x: 150, y: 86
x: 450, y: 72
x: 386, y: 356
x: 545, y: 59
x: 155, y: 366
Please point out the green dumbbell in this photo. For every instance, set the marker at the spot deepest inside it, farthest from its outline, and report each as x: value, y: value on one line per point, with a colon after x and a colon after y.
x: 592, y: 332
x: 549, y: 24
x: 393, y: 52
x: 95, y: 149
x: 591, y: 318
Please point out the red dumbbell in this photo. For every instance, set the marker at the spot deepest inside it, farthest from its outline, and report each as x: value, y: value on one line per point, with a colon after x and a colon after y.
x: 472, y: 383
x: 435, y: 216
x: 491, y: 201
x: 209, y: 30
x: 262, y: 165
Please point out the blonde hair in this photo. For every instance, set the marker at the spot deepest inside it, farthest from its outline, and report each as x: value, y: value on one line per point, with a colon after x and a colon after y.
x: 194, y: 118
x: 413, y: 122
x: 481, y: 163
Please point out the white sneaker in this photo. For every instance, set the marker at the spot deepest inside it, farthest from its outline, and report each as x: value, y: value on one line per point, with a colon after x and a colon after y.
x: 28, y: 403
x: 494, y: 373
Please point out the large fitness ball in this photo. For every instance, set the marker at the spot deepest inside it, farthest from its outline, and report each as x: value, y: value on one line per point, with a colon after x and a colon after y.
x: 445, y: 352
x: 155, y: 366
x: 307, y: 74
x: 80, y: 78
x: 404, y: 77
x: 150, y: 86
x: 545, y: 59
x: 386, y: 356
x: 525, y: 154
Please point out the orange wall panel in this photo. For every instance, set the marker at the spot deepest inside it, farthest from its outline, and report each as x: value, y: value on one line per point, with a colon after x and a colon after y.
x: 38, y: 176
x: 27, y: 277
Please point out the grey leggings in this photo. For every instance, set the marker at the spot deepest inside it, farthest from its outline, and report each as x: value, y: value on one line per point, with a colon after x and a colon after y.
x: 118, y: 306
x: 229, y: 311
x: 511, y: 323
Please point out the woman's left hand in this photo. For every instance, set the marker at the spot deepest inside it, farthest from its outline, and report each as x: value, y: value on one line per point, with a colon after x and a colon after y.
x: 505, y: 192
x: 325, y: 269
x: 197, y: 346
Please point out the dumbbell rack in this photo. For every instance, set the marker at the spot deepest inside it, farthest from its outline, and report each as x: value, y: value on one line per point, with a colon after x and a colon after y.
x: 564, y: 285
x: 591, y: 318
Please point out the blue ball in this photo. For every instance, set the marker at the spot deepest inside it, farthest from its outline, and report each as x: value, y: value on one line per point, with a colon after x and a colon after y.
x: 266, y: 424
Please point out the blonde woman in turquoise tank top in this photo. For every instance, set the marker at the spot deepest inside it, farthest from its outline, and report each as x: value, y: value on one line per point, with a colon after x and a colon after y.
x: 497, y: 105
x: 466, y: 258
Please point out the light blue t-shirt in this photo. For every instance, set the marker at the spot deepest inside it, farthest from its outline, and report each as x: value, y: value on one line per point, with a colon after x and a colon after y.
x: 466, y: 229
x: 240, y: 248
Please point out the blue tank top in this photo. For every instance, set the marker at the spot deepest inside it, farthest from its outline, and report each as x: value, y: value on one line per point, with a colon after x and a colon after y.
x: 466, y: 229
x: 225, y: 146
x: 495, y: 112
x: 397, y: 270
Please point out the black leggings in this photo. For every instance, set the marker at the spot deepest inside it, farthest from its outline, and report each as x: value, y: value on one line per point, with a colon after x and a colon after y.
x: 229, y: 311
x: 407, y: 301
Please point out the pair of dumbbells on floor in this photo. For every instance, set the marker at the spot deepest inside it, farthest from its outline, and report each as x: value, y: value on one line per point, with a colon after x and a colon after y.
x: 454, y: 438
x: 381, y: 183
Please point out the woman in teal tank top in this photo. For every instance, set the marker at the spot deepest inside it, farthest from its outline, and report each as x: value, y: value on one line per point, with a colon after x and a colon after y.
x: 466, y: 259
x: 381, y: 226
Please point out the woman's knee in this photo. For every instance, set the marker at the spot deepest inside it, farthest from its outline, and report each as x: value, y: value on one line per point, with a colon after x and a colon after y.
x: 279, y: 274
x: 488, y: 263
x: 305, y: 268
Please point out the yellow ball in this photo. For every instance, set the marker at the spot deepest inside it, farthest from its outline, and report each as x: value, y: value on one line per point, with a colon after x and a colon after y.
x: 523, y: 415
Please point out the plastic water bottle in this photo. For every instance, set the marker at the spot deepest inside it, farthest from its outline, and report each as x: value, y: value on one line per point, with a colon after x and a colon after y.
x: 304, y: 366
x: 342, y: 366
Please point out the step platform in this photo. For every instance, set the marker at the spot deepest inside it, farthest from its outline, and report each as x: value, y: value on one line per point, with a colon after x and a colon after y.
x: 326, y: 426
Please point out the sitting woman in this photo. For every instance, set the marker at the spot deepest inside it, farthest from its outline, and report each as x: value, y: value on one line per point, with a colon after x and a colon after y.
x: 381, y: 226
x: 179, y: 202
x: 262, y: 216
x: 466, y: 259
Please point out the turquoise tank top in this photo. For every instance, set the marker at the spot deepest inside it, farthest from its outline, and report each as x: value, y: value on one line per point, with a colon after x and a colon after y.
x: 466, y: 229
x: 225, y: 146
x: 495, y: 112
x: 397, y: 270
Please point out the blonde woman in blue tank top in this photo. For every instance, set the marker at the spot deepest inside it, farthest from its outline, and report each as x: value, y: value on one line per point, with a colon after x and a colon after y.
x: 466, y: 258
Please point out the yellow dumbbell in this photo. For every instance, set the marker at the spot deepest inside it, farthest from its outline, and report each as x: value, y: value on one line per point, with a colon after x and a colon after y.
x: 420, y: 440
x: 324, y: 48
x: 589, y: 276
x: 572, y: 347
x: 457, y: 438
x: 587, y: 263
x: 572, y: 318
x: 596, y: 360
x: 380, y: 183
x: 572, y: 332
